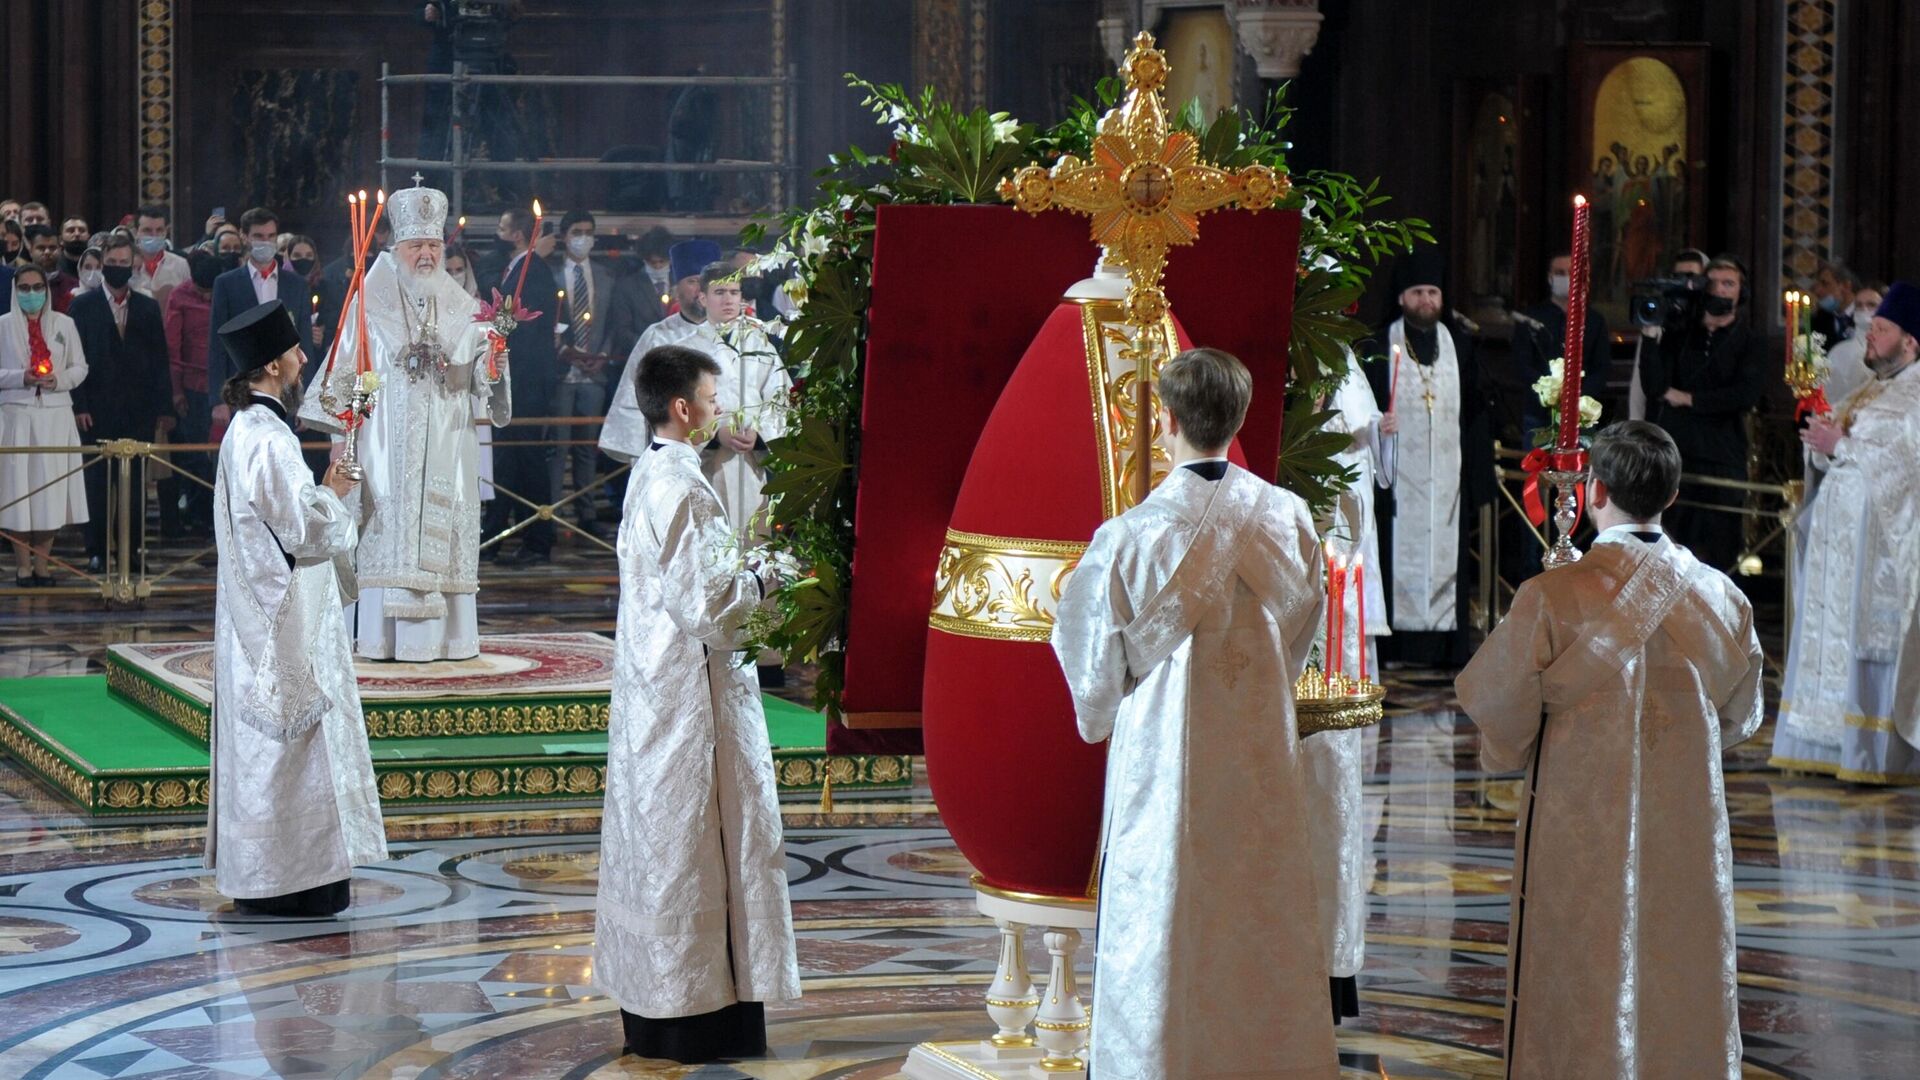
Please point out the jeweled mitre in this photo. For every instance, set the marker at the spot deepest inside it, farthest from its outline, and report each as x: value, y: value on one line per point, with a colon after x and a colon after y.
x: 418, y: 213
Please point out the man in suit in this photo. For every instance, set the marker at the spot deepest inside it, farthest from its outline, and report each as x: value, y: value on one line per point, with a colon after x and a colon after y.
x: 534, y: 374
x: 586, y: 291
x: 128, y: 393
x: 260, y: 277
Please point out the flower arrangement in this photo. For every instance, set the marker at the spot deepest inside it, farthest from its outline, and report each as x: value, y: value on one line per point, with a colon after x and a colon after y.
x: 1547, y: 388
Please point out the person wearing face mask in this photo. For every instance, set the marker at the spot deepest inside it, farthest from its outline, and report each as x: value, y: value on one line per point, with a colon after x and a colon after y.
x: 302, y: 255
x: 1847, y: 368
x: 1700, y: 385
x: 1834, y: 292
x: 230, y: 244
x: 74, y: 235
x: 188, y: 318
x: 13, y: 244
x: 260, y: 278
x: 129, y: 394
x: 294, y: 803
x: 43, y: 251
x: 586, y: 294
x: 157, y: 271
x: 1540, y: 336
x: 41, y: 362
x: 90, y: 275
x: 535, y: 377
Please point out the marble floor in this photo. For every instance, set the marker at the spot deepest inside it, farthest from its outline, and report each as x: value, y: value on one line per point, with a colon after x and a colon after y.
x: 468, y: 954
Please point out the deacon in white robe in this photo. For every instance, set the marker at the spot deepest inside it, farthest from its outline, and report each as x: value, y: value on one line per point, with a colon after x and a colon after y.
x: 1336, y: 760
x: 1617, y: 683
x: 754, y: 389
x: 294, y: 807
x: 419, y: 555
x: 695, y: 929
x: 1850, y: 703
x: 1180, y: 634
x: 1440, y: 470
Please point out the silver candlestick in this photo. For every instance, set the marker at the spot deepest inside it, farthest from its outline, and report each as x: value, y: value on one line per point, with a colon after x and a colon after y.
x: 1566, y: 516
x: 361, y: 405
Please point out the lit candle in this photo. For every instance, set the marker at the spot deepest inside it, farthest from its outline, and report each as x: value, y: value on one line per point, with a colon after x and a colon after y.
x: 459, y: 230
x: 532, y: 238
x: 1360, y: 605
x: 1788, y: 319
x: 1327, y: 664
x: 1339, y: 617
x: 365, y: 360
x: 1393, y: 381
x: 1576, y: 327
x: 353, y: 280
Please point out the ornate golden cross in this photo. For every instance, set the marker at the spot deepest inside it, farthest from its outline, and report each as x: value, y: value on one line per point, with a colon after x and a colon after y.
x: 1145, y: 190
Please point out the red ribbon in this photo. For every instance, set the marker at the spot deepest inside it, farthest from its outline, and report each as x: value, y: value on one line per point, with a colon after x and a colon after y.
x: 1814, y: 404
x: 1538, y: 461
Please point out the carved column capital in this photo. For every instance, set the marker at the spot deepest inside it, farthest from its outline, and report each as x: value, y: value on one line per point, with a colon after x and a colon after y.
x: 1278, y: 34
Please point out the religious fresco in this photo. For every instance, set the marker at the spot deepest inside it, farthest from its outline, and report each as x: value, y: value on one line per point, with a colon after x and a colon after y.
x: 1200, y: 50
x: 1492, y: 204
x: 1638, y: 171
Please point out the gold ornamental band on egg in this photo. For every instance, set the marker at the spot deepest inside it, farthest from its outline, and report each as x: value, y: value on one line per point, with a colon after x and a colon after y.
x: 1103, y: 323
x: 1001, y: 588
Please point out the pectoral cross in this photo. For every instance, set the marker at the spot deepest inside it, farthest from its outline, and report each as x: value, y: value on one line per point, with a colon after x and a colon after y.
x: 1145, y: 190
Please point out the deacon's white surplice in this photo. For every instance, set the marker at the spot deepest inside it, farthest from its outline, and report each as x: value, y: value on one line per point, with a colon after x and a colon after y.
x: 1181, y: 633
x: 419, y: 558
x: 1425, y: 476
x: 693, y: 908
x: 1617, y: 683
x: 1850, y: 704
x: 294, y: 803
x: 1333, y: 759
x: 753, y: 387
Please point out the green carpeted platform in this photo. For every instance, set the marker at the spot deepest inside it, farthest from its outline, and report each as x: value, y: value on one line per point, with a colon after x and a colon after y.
x: 112, y: 757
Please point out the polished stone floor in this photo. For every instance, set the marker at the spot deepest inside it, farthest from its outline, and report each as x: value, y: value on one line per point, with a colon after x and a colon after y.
x: 467, y: 955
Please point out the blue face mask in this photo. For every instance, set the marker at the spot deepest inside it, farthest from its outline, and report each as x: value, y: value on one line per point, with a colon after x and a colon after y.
x: 1829, y: 303
x: 32, y: 302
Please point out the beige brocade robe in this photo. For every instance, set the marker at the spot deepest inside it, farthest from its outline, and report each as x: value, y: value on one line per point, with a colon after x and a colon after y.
x: 1180, y: 634
x: 693, y: 913
x: 1645, y: 667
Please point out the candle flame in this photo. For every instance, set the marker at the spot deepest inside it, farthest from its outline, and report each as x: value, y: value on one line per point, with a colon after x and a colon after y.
x: 463, y: 222
x: 536, y: 208
x: 350, y: 198
x: 1579, y: 200
x: 363, y: 194
x: 383, y: 198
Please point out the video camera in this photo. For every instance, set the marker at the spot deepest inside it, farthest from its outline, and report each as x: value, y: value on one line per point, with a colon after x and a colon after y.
x: 479, y: 31
x: 1659, y: 301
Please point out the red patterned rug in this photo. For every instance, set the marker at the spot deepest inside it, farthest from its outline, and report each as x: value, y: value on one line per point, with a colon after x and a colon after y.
x: 509, y: 665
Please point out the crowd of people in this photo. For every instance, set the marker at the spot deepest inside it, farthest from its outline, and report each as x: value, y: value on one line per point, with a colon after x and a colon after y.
x: 108, y: 334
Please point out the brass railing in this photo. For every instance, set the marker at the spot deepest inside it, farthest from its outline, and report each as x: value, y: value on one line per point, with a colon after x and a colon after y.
x: 1773, y: 507
x: 133, y: 569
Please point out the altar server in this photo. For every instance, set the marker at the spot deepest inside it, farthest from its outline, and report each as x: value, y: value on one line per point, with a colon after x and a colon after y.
x: 1617, y: 683
x: 695, y: 931
x: 1851, y: 701
x: 294, y: 807
x: 1180, y: 634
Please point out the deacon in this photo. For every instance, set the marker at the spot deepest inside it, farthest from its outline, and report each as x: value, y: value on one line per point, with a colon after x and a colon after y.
x: 294, y: 807
x: 1180, y: 634
x: 1617, y: 682
x: 1850, y: 704
x: 1438, y: 466
x: 419, y: 558
x: 695, y: 930
x: 1335, y: 761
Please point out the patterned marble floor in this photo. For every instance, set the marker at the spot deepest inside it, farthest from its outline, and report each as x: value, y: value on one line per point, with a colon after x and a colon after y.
x: 468, y: 954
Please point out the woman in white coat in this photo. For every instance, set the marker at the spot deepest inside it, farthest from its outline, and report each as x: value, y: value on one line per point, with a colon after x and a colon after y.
x: 41, y: 361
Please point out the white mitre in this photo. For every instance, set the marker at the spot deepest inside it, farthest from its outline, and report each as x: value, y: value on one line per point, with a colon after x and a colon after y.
x: 417, y: 213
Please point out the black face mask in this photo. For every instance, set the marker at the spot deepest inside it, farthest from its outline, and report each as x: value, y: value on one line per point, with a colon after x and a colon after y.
x: 303, y: 267
x: 1717, y: 306
x: 505, y: 246
x: 204, y: 272
x: 116, y: 276
x: 74, y: 248
x: 230, y: 260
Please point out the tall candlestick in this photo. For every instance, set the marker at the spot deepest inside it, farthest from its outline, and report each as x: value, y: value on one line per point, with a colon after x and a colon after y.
x: 1576, y: 327
x: 532, y: 239
x: 1360, y: 606
x: 1327, y: 661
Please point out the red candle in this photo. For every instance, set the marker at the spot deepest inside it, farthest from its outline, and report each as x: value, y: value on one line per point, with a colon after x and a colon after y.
x: 1576, y: 327
x: 1360, y: 597
x: 364, y: 362
x: 353, y: 280
x: 1340, y: 617
x: 1328, y: 662
x: 532, y: 239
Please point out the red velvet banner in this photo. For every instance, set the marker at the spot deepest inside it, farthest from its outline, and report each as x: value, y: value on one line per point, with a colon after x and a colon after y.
x: 959, y: 292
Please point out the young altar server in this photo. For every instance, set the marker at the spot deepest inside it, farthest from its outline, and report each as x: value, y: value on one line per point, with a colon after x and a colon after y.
x: 695, y: 931
x: 1181, y: 634
x: 294, y: 808
x: 1616, y: 683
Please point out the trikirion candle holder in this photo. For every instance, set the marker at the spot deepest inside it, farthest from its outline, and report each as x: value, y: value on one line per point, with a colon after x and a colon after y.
x: 1336, y: 702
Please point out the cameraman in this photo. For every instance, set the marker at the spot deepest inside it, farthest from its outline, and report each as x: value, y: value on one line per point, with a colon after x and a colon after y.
x: 1690, y: 266
x: 1701, y: 382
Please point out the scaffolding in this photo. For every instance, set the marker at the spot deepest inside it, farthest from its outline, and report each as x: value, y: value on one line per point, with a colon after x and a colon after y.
x: 782, y: 167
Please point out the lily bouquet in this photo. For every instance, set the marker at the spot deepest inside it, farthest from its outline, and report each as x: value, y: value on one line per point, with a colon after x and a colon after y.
x: 1547, y: 388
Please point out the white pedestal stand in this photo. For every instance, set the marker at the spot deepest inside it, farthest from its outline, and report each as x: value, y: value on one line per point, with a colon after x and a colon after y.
x: 1056, y: 1048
